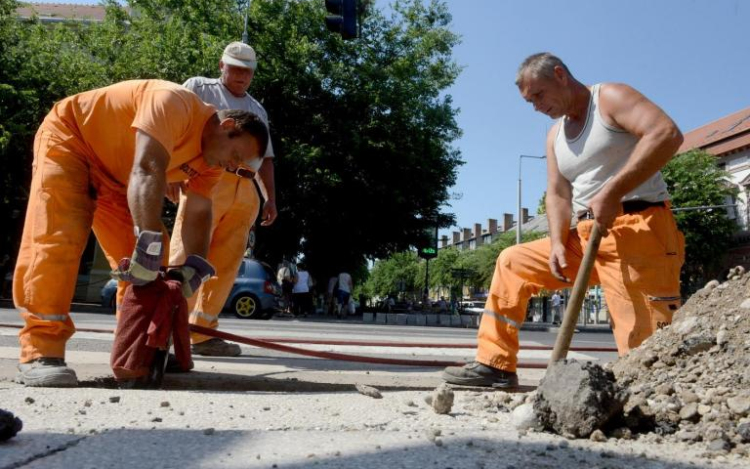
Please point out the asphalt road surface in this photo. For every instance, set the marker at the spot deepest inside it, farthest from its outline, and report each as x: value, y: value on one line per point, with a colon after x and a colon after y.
x: 88, y: 351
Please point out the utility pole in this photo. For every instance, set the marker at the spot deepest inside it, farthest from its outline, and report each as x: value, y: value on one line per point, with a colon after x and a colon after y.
x: 244, y: 32
x: 427, y: 281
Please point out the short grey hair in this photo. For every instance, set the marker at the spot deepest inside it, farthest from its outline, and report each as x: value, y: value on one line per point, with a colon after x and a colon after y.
x: 540, y: 65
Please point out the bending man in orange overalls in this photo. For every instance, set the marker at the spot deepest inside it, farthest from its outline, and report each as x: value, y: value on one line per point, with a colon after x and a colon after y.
x: 235, y: 201
x: 103, y: 159
x: 604, y: 154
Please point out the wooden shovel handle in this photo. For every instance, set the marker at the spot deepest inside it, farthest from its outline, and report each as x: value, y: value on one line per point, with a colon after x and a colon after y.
x: 568, y: 326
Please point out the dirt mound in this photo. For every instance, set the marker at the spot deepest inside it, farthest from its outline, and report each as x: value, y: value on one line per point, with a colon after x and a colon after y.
x: 691, y: 380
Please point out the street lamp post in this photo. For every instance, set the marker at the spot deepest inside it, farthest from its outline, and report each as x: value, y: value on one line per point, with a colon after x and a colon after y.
x: 244, y: 32
x: 520, y: 215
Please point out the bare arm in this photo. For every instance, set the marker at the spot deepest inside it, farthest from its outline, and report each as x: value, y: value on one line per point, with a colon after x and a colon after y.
x: 659, y: 139
x: 196, y: 227
x: 268, y: 187
x: 148, y: 182
x: 559, y: 206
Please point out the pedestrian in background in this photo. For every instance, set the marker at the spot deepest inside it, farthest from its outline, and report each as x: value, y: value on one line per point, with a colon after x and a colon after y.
x: 343, y: 294
x: 556, y: 307
x: 301, y: 293
x: 286, y: 276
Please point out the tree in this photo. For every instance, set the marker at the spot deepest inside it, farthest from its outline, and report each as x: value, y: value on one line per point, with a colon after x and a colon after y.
x: 694, y: 180
x: 542, y: 207
x: 38, y: 65
x: 393, y: 275
x: 363, y: 129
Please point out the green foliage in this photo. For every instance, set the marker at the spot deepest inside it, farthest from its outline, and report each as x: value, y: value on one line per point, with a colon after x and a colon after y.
x: 362, y: 129
x: 695, y: 180
x: 405, y: 269
x: 390, y: 276
x: 542, y: 207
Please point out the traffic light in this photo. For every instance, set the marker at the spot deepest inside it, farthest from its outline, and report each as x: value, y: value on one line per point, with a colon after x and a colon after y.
x: 342, y: 18
x: 428, y: 249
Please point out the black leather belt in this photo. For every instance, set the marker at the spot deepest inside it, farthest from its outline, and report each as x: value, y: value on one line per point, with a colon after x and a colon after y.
x: 242, y: 172
x: 631, y: 206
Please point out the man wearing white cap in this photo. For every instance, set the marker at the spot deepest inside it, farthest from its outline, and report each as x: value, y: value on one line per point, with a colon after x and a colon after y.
x: 235, y: 200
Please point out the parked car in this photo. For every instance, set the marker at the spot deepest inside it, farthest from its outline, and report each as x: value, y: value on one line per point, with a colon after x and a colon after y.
x: 254, y: 295
x: 473, y: 307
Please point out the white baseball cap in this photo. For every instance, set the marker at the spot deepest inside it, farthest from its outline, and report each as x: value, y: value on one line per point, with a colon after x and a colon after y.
x: 239, y: 55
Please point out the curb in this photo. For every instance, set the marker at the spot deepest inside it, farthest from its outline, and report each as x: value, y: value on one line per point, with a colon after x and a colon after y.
x: 76, y: 307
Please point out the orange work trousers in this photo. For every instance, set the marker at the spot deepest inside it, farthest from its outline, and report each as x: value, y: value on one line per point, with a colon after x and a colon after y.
x: 235, y: 208
x: 69, y: 195
x: 638, y: 266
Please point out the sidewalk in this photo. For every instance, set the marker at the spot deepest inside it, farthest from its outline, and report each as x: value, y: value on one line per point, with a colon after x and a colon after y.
x: 465, y: 321
x: 404, y: 320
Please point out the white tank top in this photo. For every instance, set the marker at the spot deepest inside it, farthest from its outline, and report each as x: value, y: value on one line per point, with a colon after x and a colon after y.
x: 596, y: 155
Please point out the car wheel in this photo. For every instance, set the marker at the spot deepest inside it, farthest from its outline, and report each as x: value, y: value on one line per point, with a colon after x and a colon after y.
x: 247, y: 306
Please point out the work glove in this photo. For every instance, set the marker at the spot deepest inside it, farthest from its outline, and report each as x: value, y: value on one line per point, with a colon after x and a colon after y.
x: 192, y: 274
x: 143, y: 265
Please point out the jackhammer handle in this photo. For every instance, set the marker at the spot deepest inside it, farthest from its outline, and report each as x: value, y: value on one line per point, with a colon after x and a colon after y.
x: 568, y: 326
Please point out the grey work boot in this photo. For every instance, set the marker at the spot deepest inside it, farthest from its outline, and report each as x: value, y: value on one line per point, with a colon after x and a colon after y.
x: 47, y: 372
x: 216, y: 348
x: 478, y: 374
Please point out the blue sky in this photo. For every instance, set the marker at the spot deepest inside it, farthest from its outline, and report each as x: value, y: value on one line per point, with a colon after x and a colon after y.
x: 691, y: 57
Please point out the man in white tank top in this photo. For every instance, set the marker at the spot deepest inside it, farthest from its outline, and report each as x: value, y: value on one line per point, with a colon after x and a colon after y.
x: 235, y: 200
x: 604, y: 155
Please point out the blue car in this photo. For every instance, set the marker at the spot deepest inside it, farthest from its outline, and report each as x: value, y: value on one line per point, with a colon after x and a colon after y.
x: 254, y: 295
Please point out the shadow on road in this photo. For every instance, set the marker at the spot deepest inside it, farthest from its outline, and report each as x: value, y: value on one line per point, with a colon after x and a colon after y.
x: 291, y: 449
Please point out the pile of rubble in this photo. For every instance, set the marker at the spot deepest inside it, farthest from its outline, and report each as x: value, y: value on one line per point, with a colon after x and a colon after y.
x: 691, y: 381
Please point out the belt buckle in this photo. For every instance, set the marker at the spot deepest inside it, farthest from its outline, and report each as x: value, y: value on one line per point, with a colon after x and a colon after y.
x: 585, y: 215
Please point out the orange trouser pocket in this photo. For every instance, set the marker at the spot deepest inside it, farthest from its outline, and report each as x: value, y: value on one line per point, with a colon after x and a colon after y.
x: 639, y: 266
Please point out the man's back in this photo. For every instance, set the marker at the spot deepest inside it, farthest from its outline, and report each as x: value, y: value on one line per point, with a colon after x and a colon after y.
x: 106, y: 120
x: 345, y: 282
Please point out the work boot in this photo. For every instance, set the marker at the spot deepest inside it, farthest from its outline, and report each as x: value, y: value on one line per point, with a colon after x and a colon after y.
x: 46, y: 372
x: 216, y: 348
x: 478, y: 374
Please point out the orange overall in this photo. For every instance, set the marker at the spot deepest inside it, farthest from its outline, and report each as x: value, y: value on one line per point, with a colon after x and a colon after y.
x: 83, y: 154
x: 638, y: 266
x: 235, y: 208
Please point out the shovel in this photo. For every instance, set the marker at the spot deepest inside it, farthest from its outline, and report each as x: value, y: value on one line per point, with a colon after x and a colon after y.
x: 568, y: 326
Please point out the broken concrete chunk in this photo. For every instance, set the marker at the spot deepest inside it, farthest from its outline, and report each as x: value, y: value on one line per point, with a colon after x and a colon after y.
x: 696, y: 344
x: 524, y: 418
x: 690, y: 412
x: 577, y: 398
x: 711, y: 285
x: 739, y: 405
x: 442, y: 399
x: 368, y: 391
